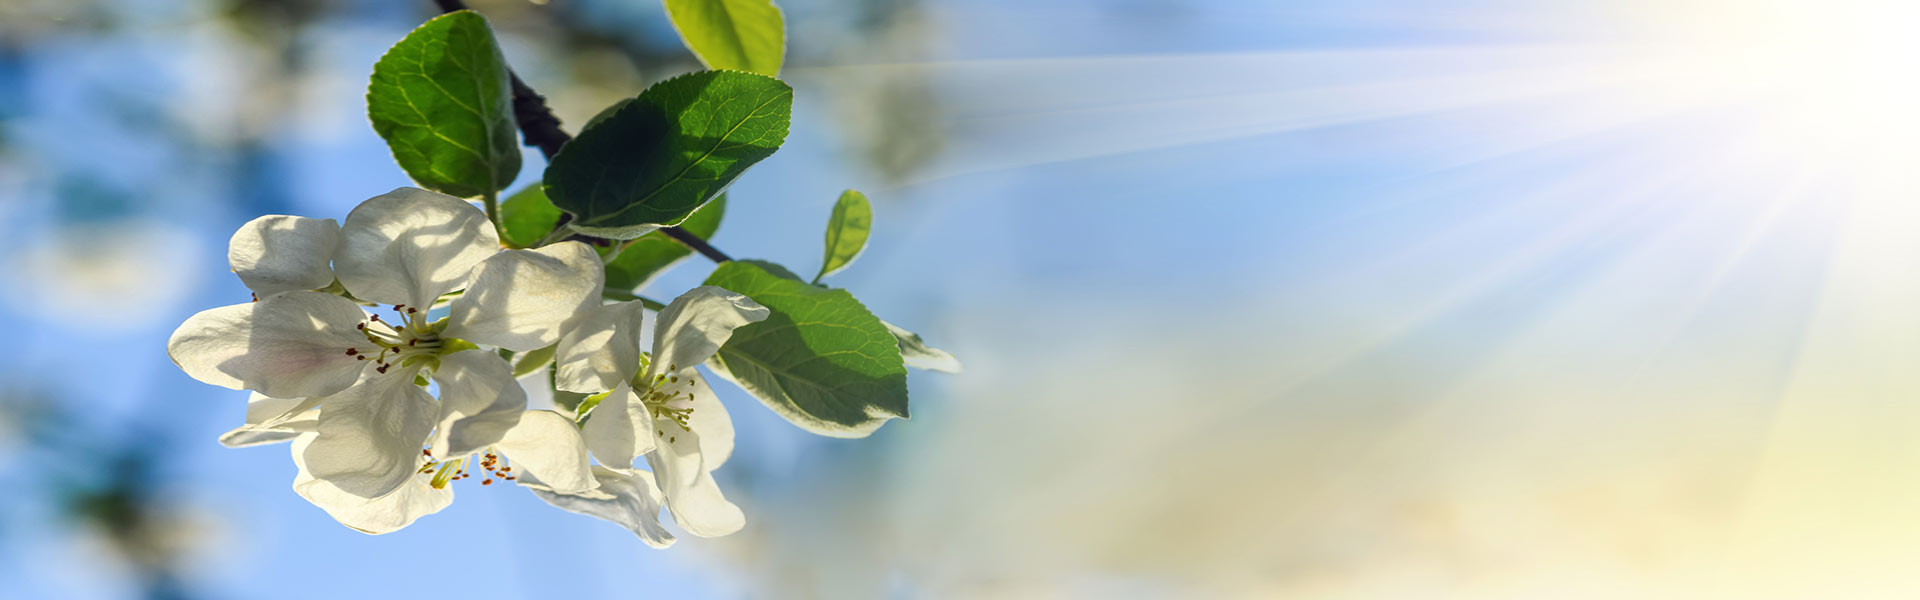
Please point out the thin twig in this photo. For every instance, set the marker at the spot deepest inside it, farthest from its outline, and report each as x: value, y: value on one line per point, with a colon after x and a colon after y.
x: 537, y: 123
x: 688, y: 239
x: 542, y: 130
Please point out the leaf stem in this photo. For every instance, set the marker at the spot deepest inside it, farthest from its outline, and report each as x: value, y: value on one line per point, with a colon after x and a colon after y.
x: 491, y: 203
x: 542, y: 130
x: 560, y: 233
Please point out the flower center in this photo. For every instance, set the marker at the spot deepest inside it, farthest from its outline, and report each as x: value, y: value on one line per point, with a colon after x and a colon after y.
x: 411, y: 340
x: 448, y: 471
x: 662, y: 392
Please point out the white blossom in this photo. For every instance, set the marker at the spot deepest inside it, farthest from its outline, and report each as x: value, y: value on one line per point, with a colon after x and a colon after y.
x: 379, y: 450
x: 656, y: 405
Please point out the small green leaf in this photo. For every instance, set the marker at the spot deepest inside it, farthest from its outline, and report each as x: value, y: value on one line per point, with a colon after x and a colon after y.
x: 846, y: 232
x: 650, y: 254
x: 743, y: 35
x: 820, y: 359
x: 533, y: 360
x: 919, y: 355
x: 583, y: 407
x: 441, y: 100
x: 527, y: 217
x: 657, y: 157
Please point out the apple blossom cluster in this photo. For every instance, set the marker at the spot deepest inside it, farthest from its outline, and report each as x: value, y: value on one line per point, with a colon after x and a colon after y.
x: 393, y: 351
x: 379, y: 348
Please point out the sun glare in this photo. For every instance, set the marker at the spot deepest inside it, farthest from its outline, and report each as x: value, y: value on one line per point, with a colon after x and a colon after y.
x: 1842, y: 76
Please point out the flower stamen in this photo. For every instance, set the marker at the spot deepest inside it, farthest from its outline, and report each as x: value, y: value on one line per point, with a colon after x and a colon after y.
x: 411, y: 337
x: 448, y: 472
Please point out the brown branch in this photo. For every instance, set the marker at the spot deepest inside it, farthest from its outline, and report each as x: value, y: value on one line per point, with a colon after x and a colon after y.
x: 688, y: 239
x: 537, y: 124
x: 540, y: 129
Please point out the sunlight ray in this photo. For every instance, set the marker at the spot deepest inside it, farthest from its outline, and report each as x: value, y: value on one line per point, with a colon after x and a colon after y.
x: 1369, y: 335
x: 1532, y: 348
x: 1030, y: 118
x: 1837, y: 471
x: 1759, y: 229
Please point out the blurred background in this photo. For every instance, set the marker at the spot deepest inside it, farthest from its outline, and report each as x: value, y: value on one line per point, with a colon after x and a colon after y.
x: 1316, y: 299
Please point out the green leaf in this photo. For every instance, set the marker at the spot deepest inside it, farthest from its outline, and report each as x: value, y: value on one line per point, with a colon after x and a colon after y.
x: 533, y: 360
x: 659, y: 156
x: 846, y: 232
x: 820, y: 359
x: 527, y: 217
x: 650, y: 254
x: 582, y: 405
x: 919, y: 355
x: 743, y: 35
x: 441, y: 100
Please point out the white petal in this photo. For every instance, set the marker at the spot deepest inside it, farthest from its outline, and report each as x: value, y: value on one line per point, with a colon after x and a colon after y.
x: 710, y: 420
x: 262, y: 409
x: 246, y: 436
x: 479, y: 402
x: 370, y: 435
x: 698, y: 506
x: 626, y: 497
x: 293, y: 345
x: 675, y: 458
x: 518, y: 299
x: 599, y: 349
x: 694, y: 326
x: 546, y: 445
x: 409, y: 246
x: 280, y: 253
x: 620, y: 428
x: 386, y: 513
x: 686, y: 480
x: 273, y: 420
